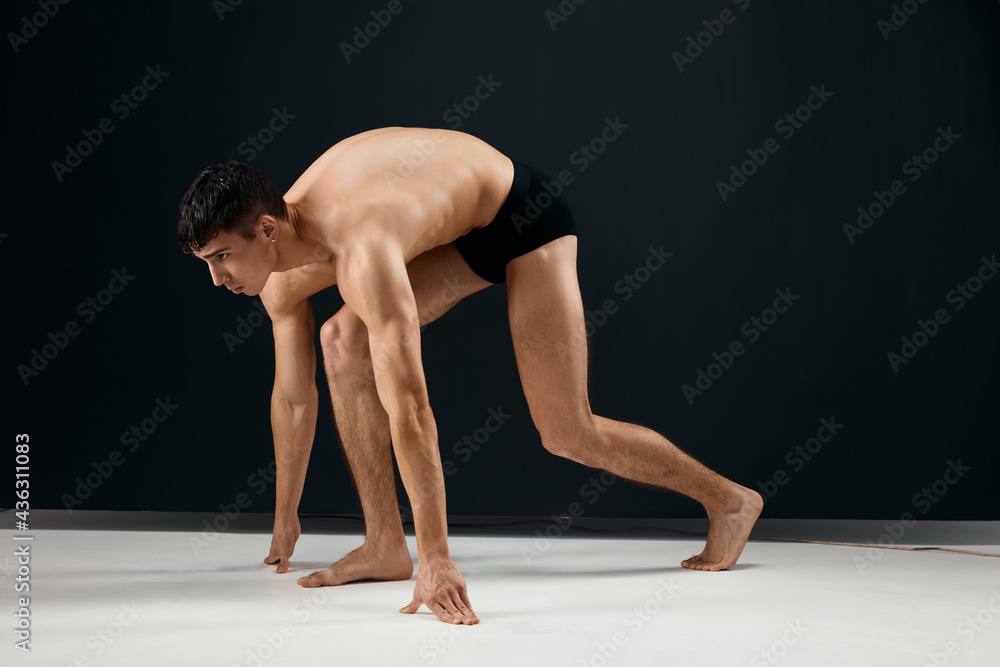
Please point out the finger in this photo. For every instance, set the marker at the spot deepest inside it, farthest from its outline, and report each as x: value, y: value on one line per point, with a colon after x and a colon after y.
x: 411, y: 608
x: 464, y: 595
x: 443, y: 614
x: 453, y: 605
x: 460, y: 610
x: 468, y: 605
x: 282, y: 562
x: 467, y: 615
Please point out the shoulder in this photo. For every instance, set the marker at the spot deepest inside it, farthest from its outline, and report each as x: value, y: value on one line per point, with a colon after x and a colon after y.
x: 372, y: 276
x: 373, y: 246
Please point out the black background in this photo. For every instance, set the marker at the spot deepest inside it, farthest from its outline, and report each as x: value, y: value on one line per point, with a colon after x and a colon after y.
x: 163, y: 335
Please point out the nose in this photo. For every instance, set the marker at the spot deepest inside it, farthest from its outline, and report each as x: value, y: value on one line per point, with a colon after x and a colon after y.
x: 216, y: 276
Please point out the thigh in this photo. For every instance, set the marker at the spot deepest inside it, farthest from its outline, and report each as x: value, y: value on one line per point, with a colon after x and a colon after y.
x: 549, y: 335
x: 440, y: 278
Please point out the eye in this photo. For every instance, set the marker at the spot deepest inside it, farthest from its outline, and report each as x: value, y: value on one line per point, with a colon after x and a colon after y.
x: 221, y: 255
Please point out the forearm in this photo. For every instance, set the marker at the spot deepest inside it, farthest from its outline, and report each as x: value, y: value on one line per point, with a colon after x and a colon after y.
x: 293, y: 426
x: 415, y: 442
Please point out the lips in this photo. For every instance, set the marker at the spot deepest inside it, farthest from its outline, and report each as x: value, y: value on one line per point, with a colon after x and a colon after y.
x: 238, y: 290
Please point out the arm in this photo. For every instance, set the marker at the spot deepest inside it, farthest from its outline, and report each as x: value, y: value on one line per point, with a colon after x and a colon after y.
x: 294, y: 406
x: 375, y: 285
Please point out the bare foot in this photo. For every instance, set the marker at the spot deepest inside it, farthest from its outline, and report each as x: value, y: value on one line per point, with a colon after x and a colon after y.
x: 365, y: 564
x: 729, y: 529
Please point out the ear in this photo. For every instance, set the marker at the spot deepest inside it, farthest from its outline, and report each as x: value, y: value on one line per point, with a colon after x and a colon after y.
x: 268, y: 226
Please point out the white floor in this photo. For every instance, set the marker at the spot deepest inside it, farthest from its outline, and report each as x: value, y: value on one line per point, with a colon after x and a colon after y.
x: 138, y: 598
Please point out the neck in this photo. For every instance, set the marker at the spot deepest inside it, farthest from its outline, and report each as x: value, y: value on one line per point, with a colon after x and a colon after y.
x: 293, y: 247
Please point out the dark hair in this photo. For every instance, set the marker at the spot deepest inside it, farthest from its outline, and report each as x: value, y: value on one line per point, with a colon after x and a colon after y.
x: 228, y: 197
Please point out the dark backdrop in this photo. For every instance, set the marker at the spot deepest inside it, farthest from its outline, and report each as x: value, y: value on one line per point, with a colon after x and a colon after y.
x: 686, y: 114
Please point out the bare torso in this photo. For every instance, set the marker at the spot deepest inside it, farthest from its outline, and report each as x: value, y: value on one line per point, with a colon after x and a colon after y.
x: 421, y: 188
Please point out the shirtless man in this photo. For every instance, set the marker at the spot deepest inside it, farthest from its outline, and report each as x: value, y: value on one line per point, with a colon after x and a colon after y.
x: 407, y: 222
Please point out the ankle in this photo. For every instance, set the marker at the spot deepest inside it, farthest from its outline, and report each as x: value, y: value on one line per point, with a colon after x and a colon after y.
x: 385, y: 542
x: 732, y: 498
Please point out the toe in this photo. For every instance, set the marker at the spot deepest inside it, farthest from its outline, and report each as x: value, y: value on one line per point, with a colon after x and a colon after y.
x: 312, y: 581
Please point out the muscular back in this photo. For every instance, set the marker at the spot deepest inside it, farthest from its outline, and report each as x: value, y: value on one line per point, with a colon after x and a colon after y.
x: 420, y: 188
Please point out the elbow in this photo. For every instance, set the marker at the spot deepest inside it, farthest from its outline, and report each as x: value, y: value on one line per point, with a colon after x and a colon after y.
x: 391, y: 341
x: 412, y: 413
x: 295, y: 400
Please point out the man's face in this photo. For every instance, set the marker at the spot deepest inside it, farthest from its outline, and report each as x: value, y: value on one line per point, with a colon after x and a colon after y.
x: 240, y: 264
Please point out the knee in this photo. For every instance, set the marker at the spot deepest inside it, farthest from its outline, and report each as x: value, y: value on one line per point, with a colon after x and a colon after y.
x: 560, y: 446
x: 344, y: 339
x: 571, y: 442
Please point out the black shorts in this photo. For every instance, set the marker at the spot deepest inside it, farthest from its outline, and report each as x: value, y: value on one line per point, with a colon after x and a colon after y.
x: 530, y: 217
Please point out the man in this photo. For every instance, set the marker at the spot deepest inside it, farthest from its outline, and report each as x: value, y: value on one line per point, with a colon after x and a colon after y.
x: 407, y: 222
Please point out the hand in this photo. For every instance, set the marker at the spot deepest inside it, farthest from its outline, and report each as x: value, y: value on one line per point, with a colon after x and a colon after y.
x: 286, y: 534
x: 441, y: 587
